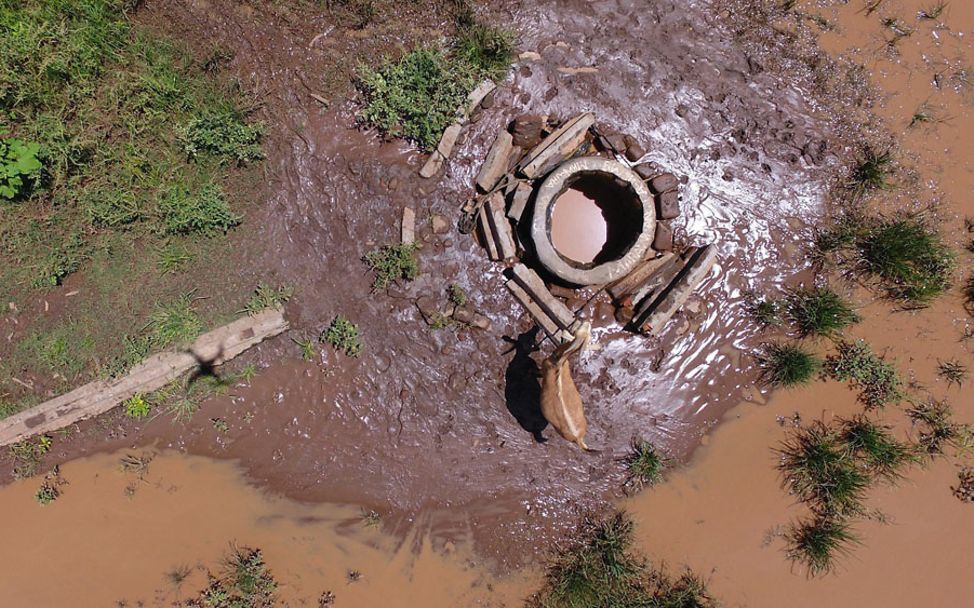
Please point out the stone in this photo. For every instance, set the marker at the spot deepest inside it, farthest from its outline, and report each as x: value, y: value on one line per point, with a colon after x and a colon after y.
x: 647, y: 171
x: 663, y: 241
x: 557, y: 147
x: 527, y: 130
x: 634, y: 151
x: 529, y: 56
x: 449, y: 140
x: 535, y: 287
x: 439, y: 224
x: 408, y: 226
x: 519, y: 202
x: 432, y: 166
x: 668, y: 205
x: 639, y: 275
x: 480, y: 322
x: 498, y: 159
x: 501, y: 227
x: 663, y: 182
x: 463, y: 314
x: 616, y: 142
x: 475, y: 97
x: 624, y: 314
x: 540, y: 316
x: 486, y: 233
x: 672, y: 299
x: 561, y: 292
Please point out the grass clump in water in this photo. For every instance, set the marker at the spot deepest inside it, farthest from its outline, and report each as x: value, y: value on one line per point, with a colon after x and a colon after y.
x: 391, y: 263
x: 937, y: 427
x: 953, y: 371
x: 819, y: 311
x: 878, y: 382
x: 644, y: 465
x: 245, y: 582
x: 819, y: 543
x: 788, y: 364
x: 871, y: 172
x: 599, y: 568
x: 881, y: 454
x: 766, y: 311
x: 343, y: 336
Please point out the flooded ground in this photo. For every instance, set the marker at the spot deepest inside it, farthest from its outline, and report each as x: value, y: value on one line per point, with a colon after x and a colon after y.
x: 438, y: 427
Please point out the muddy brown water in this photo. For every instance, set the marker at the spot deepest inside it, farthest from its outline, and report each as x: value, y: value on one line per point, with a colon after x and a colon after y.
x: 442, y: 426
x: 578, y: 226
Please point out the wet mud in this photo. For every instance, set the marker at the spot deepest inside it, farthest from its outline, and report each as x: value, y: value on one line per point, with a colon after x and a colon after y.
x: 444, y: 425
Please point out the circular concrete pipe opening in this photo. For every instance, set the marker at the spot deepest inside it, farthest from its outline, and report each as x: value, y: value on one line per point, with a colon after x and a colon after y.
x: 593, y: 221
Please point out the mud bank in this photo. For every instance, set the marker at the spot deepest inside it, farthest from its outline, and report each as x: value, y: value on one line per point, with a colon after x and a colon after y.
x: 443, y: 422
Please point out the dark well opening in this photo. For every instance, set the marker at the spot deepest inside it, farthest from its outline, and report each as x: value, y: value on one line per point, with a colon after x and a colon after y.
x: 595, y: 220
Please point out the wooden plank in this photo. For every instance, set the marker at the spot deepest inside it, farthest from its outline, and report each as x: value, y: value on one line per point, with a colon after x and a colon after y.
x: 647, y: 291
x: 408, y: 228
x: 487, y: 233
x: 676, y: 295
x: 557, y: 147
x: 212, y: 348
x: 628, y: 284
x: 501, y: 227
x: 541, y: 317
x: 498, y: 159
x: 522, y: 194
x: 532, y: 283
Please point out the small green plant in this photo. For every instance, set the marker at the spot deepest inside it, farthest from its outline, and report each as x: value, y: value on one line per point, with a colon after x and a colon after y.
x: 437, y: 321
x: 205, y: 212
x: 937, y: 427
x: 266, y: 297
x: 818, y: 544
x: 819, y: 470
x: 138, y: 407
x: 370, y: 518
x: 644, y: 465
x: 175, y: 323
x: 223, y: 133
x: 910, y: 258
x: 927, y: 114
x: 456, y: 295
x: 392, y: 263
x: 182, y: 409
x: 308, y: 350
x: 343, y: 336
x: 27, y: 455
x: 416, y: 97
x: 245, y: 582
x: 220, y: 425
x: 953, y: 371
x: 878, y: 382
x: 788, y: 364
x: 50, y: 489
x: 767, y: 311
x: 134, y: 350
x: 490, y: 49
x: 874, y: 446
x: 819, y: 311
x: 20, y: 167
x: 173, y: 258
x: 872, y: 172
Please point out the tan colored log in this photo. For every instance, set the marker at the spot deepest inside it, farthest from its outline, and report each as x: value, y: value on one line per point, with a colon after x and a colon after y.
x: 498, y: 159
x: 676, y: 295
x: 629, y: 283
x: 519, y: 202
x: 487, y: 233
x: 557, y: 147
x: 535, y: 287
x: 541, y: 317
x: 408, y: 228
x: 212, y: 348
x: 501, y: 227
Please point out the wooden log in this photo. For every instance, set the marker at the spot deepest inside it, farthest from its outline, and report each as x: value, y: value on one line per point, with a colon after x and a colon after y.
x: 557, y: 147
x: 476, y: 97
x: 442, y: 152
x: 497, y: 162
x: 629, y: 283
x: 676, y: 295
x: 486, y: 233
x: 212, y: 348
x: 519, y: 202
x: 664, y: 275
x: 541, y: 317
x: 501, y: 227
x: 535, y: 287
x: 408, y: 227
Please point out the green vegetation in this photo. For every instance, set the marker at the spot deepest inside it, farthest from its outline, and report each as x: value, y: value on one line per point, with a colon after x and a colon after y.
x: 953, y: 371
x: 391, y: 263
x: 63, y: 349
x: 767, y: 312
x: 599, y: 568
x: 245, y: 583
x: 644, y: 465
x: 265, y: 297
x: 175, y: 323
x: 20, y: 169
x: 204, y: 211
x: 937, y: 427
x: 222, y: 133
x: 819, y: 311
x: 50, y: 489
x: 872, y: 172
x: 489, y: 49
x: 27, y: 455
x: 818, y: 544
x: 308, y: 350
x: 343, y: 336
x: 456, y: 295
x: 788, y: 364
x: 878, y: 382
x: 138, y: 407
x: 174, y: 257
x: 874, y: 447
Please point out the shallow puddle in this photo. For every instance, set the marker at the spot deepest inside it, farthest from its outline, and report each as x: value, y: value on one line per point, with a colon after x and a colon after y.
x: 578, y: 225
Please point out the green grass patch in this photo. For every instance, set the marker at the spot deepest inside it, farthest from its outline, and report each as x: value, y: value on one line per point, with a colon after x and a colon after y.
x: 788, y: 364
x: 244, y: 582
x: 600, y: 568
x: 393, y: 263
x: 204, y: 211
x: 818, y: 544
x: 65, y: 349
x: 644, y: 465
x: 175, y: 323
x: 819, y: 311
x: 343, y: 336
x: 938, y: 430
x: 137, y: 407
x: 27, y: 455
x: 456, y: 295
x: 878, y: 381
x: 265, y: 297
x: 224, y: 134
x: 871, y: 172
x: 488, y: 48
x: 875, y: 448
x: 20, y: 169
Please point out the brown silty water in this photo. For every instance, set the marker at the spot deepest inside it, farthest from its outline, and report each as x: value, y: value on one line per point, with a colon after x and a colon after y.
x: 578, y: 226
x: 443, y: 425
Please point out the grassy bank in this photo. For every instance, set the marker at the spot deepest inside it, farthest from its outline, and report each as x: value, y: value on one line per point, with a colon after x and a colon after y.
x: 125, y: 149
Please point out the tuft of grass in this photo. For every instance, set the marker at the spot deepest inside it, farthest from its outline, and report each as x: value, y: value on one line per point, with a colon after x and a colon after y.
x: 820, y: 471
x: 204, y: 212
x: 27, y: 455
x: 644, y: 465
x: 343, y: 336
x: 175, y: 323
x: 872, y: 172
x: 927, y: 114
x: 953, y: 371
x: 182, y: 409
x: 767, y: 311
x: 308, y: 351
x: 371, y: 519
x: 819, y: 543
x: 875, y: 447
x: 138, y: 407
x: 63, y: 349
x: 819, y: 311
x: 878, y: 382
x: 245, y: 581
x: 489, y: 49
x: 50, y: 489
x: 788, y: 364
x: 222, y: 133
x: 911, y: 260
x: 456, y: 295
x: 134, y: 350
x: 173, y: 257
x: 599, y: 568
x: 265, y: 297
x: 391, y: 263
x: 178, y: 575
x: 937, y: 427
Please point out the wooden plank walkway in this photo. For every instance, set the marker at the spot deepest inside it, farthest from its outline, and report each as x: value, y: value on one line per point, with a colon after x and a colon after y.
x: 212, y: 348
